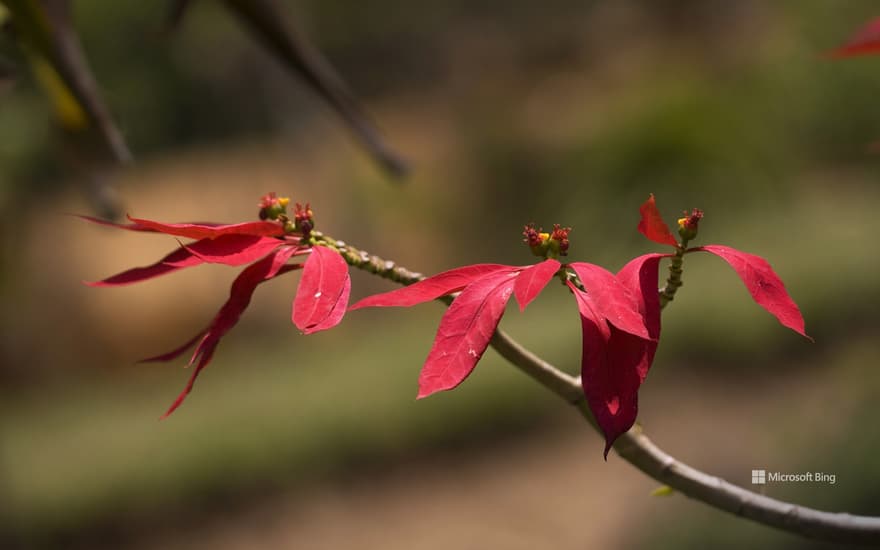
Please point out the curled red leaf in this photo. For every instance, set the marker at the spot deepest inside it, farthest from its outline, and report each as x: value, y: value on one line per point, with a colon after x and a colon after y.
x: 532, y: 280
x: 652, y: 225
x: 323, y: 292
x: 609, y: 371
x: 865, y: 41
x: 640, y: 276
x: 612, y: 300
x: 464, y: 332
x: 432, y: 288
x: 765, y: 286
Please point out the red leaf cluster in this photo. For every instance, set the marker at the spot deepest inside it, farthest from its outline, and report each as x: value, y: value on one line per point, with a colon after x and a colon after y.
x: 620, y: 326
x: 320, y: 301
x: 468, y: 324
x: 619, y: 313
x: 762, y: 282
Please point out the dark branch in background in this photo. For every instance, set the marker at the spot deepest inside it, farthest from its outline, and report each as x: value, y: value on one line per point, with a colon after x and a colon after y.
x: 70, y: 62
x: 90, y: 142
x: 267, y: 22
x: 176, y: 11
x: 637, y: 449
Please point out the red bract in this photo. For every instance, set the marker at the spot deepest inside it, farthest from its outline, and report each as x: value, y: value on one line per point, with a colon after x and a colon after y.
x: 616, y: 360
x: 620, y: 325
x: 323, y: 291
x: 320, y: 301
x: 652, y: 224
x: 618, y: 344
x: 762, y: 282
x: 865, y: 41
x: 468, y: 324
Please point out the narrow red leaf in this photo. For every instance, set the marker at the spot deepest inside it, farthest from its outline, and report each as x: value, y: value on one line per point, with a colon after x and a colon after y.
x: 464, y: 333
x: 865, y: 41
x: 275, y: 270
x: 210, y: 231
x: 612, y: 299
x: 127, y: 226
x: 177, y: 259
x: 176, y: 352
x: 239, y: 298
x: 765, y: 286
x: 609, y: 371
x: 652, y: 224
x: 532, y: 280
x: 233, y: 249
x: 323, y: 292
x: 432, y: 287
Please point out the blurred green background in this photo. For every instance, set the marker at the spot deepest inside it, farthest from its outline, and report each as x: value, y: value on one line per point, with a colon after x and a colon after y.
x: 511, y: 112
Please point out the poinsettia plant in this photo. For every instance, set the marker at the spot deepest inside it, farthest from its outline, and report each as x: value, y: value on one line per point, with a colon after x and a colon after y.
x: 267, y: 245
x: 619, y: 312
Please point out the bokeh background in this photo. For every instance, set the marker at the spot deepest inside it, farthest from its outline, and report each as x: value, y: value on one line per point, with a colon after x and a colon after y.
x: 558, y: 111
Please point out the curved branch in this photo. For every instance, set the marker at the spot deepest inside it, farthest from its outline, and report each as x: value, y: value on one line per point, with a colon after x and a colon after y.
x: 637, y: 449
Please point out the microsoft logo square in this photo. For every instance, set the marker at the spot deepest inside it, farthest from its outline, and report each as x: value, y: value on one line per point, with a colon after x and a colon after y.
x: 759, y: 477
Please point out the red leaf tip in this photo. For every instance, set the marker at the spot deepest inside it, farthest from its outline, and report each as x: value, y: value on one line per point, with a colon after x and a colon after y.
x: 865, y: 41
x: 652, y: 225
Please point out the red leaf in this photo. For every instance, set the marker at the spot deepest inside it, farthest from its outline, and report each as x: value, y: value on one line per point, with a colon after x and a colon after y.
x: 127, y: 226
x: 609, y: 371
x: 865, y: 41
x: 274, y: 271
x: 323, y: 291
x: 210, y: 231
x: 652, y: 224
x: 464, y: 333
x: 176, y: 352
x: 233, y: 249
x: 432, y: 287
x: 640, y: 276
x: 532, y: 280
x: 612, y: 300
x: 239, y: 297
x: 280, y: 258
x: 763, y: 284
x: 178, y: 259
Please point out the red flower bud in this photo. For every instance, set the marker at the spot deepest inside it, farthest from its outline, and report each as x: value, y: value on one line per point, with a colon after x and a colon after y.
x: 303, y: 219
x: 272, y: 207
x: 689, y: 225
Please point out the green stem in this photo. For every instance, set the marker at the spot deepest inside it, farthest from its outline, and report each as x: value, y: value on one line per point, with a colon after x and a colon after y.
x: 674, y: 282
x: 368, y: 262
